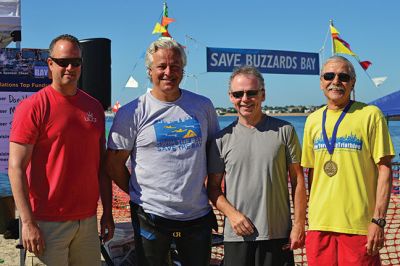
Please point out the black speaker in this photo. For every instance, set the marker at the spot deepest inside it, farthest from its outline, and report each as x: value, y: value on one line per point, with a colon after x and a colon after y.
x: 96, y: 69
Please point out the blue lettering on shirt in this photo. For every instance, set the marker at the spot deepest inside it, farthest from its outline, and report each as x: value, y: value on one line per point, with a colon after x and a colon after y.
x: 349, y: 142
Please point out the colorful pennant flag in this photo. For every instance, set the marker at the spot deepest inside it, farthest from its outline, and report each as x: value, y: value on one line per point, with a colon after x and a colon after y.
x: 166, y: 20
x: 131, y: 83
x: 378, y: 81
x: 365, y: 64
x: 158, y: 28
x: 116, y: 107
x: 340, y: 46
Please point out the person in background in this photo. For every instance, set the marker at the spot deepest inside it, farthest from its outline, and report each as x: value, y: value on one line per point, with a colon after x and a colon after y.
x: 255, y: 155
x: 56, y: 147
x: 165, y: 133
x: 348, y: 150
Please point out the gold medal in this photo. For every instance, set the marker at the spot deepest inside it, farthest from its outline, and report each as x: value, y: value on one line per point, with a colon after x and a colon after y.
x: 330, y: 168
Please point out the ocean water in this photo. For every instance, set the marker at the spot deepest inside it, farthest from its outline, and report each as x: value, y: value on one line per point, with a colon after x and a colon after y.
x: 298, y: 123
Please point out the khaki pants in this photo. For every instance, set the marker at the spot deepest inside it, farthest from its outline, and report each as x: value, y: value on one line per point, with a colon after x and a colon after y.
x: 73, y: 243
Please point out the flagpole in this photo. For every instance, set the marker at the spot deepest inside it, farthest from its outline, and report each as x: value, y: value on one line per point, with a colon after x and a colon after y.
x: 333, y: 46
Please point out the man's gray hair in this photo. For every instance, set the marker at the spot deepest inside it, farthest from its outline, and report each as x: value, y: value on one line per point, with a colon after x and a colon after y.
x: 352, y: 72
x: 164, y: 44
x: 247, y: 70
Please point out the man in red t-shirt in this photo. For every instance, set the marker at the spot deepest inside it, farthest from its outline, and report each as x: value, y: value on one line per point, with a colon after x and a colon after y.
x: 56, y: 146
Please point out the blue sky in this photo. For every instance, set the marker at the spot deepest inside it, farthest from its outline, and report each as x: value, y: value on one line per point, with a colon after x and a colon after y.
x: 370, y: 27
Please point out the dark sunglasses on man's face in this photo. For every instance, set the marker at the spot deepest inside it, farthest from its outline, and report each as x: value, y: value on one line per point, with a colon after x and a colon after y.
x: 249, y: 93
x: 343, y: 77
x: 65, y: 62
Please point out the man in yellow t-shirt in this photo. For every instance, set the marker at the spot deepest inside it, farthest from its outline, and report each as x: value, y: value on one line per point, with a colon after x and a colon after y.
x: 348, y: 150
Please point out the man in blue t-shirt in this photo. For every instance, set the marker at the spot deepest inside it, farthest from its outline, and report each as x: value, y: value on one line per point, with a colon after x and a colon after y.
x: 165, y: 132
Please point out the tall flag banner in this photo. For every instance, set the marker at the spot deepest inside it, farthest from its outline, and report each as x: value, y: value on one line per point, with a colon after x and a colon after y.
x: 162, y: 27
x: 165, y: 15
x: 340, y: 46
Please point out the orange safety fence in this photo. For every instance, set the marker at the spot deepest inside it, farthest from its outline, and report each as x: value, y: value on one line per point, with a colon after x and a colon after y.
x: 390, y: 253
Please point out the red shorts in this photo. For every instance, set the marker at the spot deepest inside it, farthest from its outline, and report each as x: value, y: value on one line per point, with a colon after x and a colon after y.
x: 329, y: 248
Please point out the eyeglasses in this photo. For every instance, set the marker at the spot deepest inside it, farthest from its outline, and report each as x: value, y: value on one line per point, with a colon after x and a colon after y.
x: 249, y: 93
x: 65, y: 62
x: 343, y: 77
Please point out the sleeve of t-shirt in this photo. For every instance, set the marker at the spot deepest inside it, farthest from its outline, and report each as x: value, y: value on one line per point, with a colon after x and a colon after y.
x: 122, y: 133
x: 293, y: 147
x: 307, y: 155
x: 213, y: 125
x: 380, y: 140
x: 215, y: 162
x: 25, y: 125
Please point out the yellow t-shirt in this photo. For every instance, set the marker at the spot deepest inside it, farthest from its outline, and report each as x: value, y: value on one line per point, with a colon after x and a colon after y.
x: 345, y: 202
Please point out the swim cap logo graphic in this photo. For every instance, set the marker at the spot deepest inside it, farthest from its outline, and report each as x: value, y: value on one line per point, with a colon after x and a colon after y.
x: 183, y: 134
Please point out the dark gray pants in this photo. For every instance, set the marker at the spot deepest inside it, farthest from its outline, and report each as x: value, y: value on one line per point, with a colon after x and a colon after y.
x: 258, y: 253
x: 154, y: 236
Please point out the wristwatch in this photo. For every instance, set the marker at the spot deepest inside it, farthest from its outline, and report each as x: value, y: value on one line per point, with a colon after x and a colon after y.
x: 381, y: 222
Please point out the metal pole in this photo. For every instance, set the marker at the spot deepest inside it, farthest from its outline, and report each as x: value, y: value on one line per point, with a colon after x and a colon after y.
x: 22, y: 251
x: 333, y: 46
x: 18, y: 13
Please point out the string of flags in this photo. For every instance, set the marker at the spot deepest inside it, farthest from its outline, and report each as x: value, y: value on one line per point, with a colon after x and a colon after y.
x: 159, y: 28
x: 340, y: 46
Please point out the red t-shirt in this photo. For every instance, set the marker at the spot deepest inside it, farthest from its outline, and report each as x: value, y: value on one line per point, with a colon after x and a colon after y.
x: 66, y: 132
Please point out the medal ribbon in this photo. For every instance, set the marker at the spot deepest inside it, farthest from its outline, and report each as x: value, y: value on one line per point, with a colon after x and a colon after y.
x: 330, y: 146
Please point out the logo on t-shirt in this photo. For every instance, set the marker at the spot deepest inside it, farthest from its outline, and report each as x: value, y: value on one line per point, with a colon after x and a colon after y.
x: 349, y: 142
x: 183, y: 134
x: 89, y: 117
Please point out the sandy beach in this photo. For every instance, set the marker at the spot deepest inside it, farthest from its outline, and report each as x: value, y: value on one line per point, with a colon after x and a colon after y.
x: 9, y: 254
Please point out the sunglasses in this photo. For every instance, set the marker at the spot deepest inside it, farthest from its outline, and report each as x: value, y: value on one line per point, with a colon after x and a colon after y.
x: 343, y: 77
x: 249, y: 93
x: 65, y: 62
